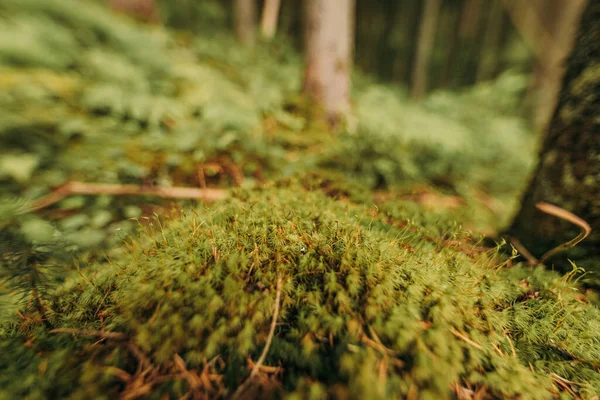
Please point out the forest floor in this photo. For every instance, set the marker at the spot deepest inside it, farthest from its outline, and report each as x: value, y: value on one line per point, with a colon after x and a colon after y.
x: 364, y: 246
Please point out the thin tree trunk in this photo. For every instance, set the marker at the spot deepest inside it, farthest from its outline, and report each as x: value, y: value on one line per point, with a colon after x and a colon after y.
x: 328, y: 51
x: 245, y: 20
x: 270, y: 16
x: 470, y: 21
x: 291, y: 22
x: 561, y: 25
x: 568, y: 173
x: 488, y: 62
x: 385, y: 50
x: 408, y: 26
x: 551, y: 39
x: 426, y: 40
x: 452, y: 51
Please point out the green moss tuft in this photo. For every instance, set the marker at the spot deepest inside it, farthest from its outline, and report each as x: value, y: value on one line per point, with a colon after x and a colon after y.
x: 367, y: 297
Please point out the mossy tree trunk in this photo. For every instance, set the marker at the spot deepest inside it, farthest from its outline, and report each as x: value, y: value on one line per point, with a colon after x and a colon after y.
x: 245, y: 20
x: 568, y: 174
x: 328, y: 41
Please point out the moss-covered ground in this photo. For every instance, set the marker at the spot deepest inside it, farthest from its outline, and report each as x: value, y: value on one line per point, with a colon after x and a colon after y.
x: 341, y: 265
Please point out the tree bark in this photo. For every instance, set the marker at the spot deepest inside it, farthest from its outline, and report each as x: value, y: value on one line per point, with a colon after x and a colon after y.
x: 470, y: 27
x: 270, y: 16
x: 245, y: 21
x: 488, y: 61
x: 452, y: 50
x: 385, y: 51
x: 561, y: 23
x: 549, y: 29
x: 426, y: 40
x: 328, y: 41
x: 568, y: 173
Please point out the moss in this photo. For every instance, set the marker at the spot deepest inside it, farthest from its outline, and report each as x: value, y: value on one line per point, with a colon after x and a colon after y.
x: 367, y: 297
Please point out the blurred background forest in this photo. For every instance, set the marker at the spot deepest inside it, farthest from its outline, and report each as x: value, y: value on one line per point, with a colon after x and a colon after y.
x: 471, y: 41
x: 443, y: 93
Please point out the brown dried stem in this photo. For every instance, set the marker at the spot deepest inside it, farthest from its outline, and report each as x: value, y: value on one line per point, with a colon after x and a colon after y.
x: 567, y: 216
x: 82, y: 188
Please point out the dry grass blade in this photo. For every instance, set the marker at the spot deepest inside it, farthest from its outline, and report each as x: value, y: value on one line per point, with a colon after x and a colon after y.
x: 567, y: 216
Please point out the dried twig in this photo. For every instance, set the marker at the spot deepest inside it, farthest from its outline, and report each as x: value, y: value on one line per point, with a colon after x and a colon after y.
x: 377, y: 345
x: 559, y: 213
x: 82, y: 188
x: 192, y: 379
x: 567, y: 216
x: 86, y: 332
x: 262, y: 357
x: 564, y: 383
x: 265, y: 368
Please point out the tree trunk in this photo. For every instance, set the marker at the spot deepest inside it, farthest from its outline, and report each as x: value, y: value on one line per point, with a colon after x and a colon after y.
x: 328, y: 52
x: 385, y: 51
x: 270, y: 16
x: 245, y: 20
x: 426, y: 40
x: 561, y: 23
x: 490, y: 50
x: 408, y: 26
x: 452, y: 50
x: 470, y: 28
x: 568, y: 173
x: 549, y: 29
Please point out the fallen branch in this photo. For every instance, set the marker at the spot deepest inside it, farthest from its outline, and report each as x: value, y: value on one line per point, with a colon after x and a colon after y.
x: 82, y: 188
x: 567, y: 216
x: 86, y: 332
x: 262, y: 357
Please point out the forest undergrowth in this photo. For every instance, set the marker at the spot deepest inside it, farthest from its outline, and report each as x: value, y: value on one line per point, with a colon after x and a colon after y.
x: 368, y: 242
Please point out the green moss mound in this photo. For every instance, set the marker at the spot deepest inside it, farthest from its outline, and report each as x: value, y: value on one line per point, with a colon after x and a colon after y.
x: 372, y: 306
